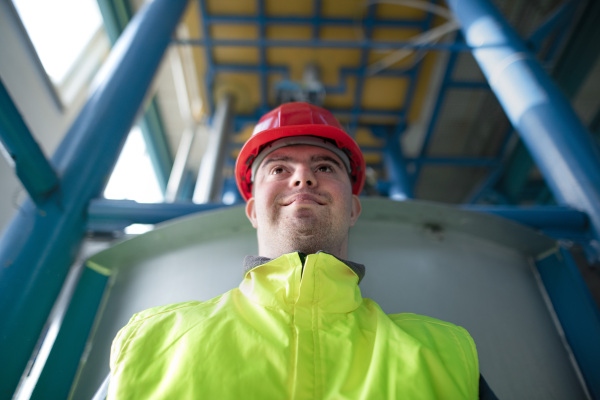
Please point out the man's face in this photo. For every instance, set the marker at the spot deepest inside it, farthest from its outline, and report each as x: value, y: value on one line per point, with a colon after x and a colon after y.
x: 302, y: 200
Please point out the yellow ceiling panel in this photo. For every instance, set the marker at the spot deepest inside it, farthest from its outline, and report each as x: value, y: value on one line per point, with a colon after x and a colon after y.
x: 230, y: 31
x: 331, y: 61
x: 232, y: 7
x: 235, y: 55
x: 372, y: 158
x: 386, y: 34
x: 396, y: 11
x: 385, y: 93
x: 288, y: 32
x: 193, y: 26
x: 365, y: 138
x: 244, y: 86
x: 341, y: 33
x: 328, y: 60
x: 344, y: 100
x: 343, y: 8
x: 281, y: 8
x: 401, y: 59
x: 295, y: 58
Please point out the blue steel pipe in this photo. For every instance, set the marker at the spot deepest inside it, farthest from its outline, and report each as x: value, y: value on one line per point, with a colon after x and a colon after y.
x: 40, y: 244
x: 561, y: 146
x: 395, y: 163
x: 30, y: 164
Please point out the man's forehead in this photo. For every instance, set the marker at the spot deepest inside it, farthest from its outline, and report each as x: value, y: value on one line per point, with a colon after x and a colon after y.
x: 302, y: 152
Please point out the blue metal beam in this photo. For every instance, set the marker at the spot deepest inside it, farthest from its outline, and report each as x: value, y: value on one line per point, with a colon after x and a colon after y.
x: 127, y: 212
x: 59, y: 371
x: 562, y: 148
x: 40, y: 245
x: 577, y: 312
x: 306, y: 21
x: 30, y: 164
x: 116, y: 15
x: 121, y: 213
x: 334, y: 44
x: 395, y: 163
x: 546, y: 217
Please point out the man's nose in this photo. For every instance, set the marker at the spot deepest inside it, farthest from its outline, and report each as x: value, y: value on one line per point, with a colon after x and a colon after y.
x: 304, y: 176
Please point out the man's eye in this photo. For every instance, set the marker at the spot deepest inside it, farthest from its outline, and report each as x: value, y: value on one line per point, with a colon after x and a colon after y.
x: 276, y: 171
x: 325, y: 168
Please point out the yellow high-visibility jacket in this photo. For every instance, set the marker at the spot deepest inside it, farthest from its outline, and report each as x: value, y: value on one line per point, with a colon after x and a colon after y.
x: 291, y: 330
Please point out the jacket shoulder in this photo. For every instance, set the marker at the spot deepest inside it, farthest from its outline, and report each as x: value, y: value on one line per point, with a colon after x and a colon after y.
x: 451, y: 342
x: 428, y: 327
x: 145, y: 323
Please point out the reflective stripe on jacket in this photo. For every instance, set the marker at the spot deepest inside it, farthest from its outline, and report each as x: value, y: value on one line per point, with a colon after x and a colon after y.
x: 291, y: 331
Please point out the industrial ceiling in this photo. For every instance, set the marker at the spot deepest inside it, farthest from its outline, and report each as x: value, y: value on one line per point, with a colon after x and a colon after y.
x: 393, y: 72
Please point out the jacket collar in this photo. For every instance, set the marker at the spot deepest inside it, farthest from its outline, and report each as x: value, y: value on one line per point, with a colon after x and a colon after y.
x: 292, y: 282
x: 254, y: 261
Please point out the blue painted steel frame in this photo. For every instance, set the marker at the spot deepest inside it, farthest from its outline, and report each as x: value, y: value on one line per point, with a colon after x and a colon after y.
x: 536, y: 108
x: 564, y: 151
x: 40, y: 244
x: 576, y: 311
x: 125, y: 212
x: 30, y: 164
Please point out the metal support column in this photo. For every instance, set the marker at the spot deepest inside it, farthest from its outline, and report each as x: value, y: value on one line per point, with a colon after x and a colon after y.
x: 40, y: 244
x: 210, y: 177
x: 401, y: 188
x: 559, y: 143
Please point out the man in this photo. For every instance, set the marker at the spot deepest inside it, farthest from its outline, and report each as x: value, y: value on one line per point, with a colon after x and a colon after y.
x: 297, y: 326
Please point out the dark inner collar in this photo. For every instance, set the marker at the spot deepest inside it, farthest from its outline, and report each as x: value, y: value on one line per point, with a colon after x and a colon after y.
x: 254, y: 261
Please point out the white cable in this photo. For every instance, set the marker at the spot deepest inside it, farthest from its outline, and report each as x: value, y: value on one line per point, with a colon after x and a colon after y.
x: 429, y: 36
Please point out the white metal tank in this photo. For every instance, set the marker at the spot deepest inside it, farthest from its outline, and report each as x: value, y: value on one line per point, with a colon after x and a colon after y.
x: 472, y: 269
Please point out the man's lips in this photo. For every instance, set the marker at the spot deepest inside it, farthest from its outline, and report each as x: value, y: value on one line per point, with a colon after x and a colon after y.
x: 303, y: 198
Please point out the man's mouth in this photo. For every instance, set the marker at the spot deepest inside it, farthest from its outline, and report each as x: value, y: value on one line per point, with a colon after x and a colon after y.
x: 303, y: 198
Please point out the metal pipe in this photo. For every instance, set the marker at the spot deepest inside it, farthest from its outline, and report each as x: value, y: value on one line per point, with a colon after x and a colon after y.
x: 559, y: 143
x: 401, y: 188
x: 187, y: 137
x: 179, y: 165
x: 210, y: 177
x: 40, y: 245
x: 25, y: 155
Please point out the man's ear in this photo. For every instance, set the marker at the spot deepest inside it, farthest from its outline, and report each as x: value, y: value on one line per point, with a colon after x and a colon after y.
x: 356, y: 209
x: 251, y: 212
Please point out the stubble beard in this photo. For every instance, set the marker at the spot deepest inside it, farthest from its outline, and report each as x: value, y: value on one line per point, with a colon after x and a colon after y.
x: 305, y: 231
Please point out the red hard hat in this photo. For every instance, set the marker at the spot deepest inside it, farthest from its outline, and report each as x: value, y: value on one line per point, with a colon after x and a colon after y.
x: 293, y: 120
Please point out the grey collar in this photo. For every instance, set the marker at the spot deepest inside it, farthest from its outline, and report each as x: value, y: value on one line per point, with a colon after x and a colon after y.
x: 254, y: 261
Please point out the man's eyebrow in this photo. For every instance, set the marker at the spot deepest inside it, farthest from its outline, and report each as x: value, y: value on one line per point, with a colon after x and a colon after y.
x: 322, y: 157
x: 273, y: 159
